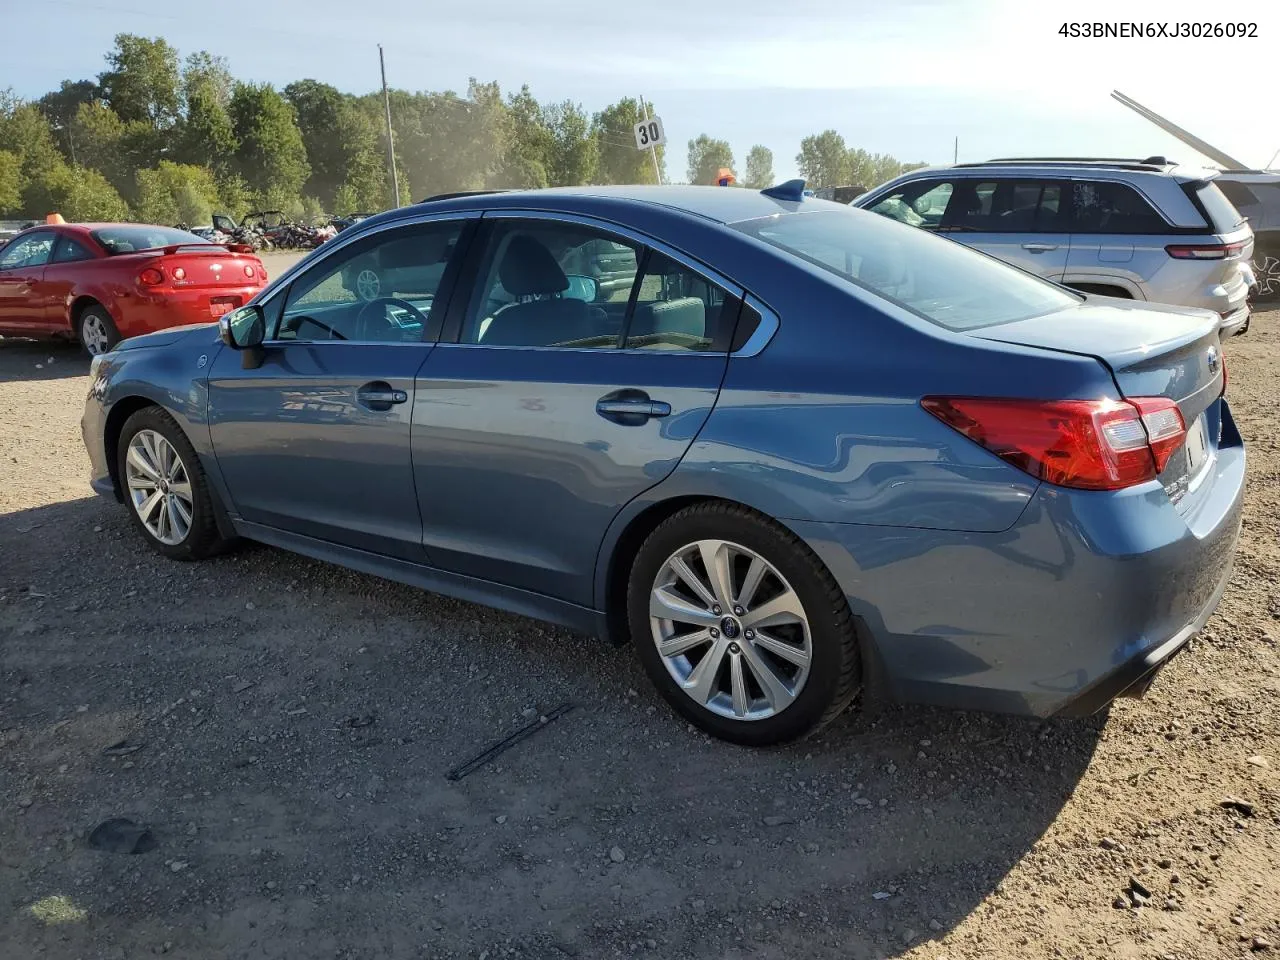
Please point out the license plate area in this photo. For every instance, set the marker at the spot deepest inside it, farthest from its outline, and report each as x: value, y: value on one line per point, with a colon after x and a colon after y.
x: 220, y: 305
x: 1197, y: 447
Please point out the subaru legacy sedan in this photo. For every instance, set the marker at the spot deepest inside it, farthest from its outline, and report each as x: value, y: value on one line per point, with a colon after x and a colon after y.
x: 803, y: 452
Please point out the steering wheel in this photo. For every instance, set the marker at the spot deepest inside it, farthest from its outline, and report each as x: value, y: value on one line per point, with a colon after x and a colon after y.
x: 371, y: 327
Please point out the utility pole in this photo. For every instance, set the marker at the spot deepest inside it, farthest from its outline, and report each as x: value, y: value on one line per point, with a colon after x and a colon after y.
x: 653, y: 151
x: 956, y: 156
x: 391, y: 147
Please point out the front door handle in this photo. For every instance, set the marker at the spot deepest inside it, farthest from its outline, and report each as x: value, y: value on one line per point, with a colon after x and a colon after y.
x: 1039, y: 247
x: 380, y: 396
x: 631, y: 407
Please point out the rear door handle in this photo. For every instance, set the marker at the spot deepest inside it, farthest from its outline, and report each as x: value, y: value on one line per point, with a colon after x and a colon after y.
x: 380, y: 396
x: 631, y: 407
x: 1039, y: 247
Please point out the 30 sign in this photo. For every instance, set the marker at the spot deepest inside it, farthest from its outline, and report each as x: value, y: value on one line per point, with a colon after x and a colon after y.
x: 649, y: 134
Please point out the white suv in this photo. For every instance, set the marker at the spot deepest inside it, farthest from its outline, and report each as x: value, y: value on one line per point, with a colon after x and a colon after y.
x: 1139, y: 229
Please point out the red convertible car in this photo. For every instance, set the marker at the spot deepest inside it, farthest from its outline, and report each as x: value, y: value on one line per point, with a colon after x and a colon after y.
x: 103, y: 282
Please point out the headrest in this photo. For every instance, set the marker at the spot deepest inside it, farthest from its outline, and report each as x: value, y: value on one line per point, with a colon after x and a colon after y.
x: 528, y: 269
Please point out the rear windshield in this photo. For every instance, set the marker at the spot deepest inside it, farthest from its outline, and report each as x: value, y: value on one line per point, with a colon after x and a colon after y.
x: 936, y: 278
x: 133, y: 238
x: 1223, y: 216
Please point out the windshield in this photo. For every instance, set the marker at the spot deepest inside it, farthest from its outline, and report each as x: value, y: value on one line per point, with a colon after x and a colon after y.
x: 129, y: 239
x: 935, y: 278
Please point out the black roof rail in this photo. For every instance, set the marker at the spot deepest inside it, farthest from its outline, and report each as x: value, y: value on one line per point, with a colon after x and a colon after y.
x: 460, y: 193
x: 1156, y: 161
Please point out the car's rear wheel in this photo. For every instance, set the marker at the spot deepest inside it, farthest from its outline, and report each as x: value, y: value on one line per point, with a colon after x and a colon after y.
x: 165, y: 486
x: 96, y: 330
x: 740, y: 626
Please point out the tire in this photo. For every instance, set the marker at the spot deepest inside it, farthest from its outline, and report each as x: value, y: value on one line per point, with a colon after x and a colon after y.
x: 820, y: 687
x: 201, y: 538
x: 95, y: 330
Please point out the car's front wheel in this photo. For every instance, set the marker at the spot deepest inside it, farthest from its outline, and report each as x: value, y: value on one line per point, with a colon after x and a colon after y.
x: 165, y: 486
x: 740, y: 626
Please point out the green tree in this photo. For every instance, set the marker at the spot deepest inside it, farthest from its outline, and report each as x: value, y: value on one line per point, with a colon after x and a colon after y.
x: 270, y: 155
x: 176, y: 193
x: 707, y: 157
x: 759, y: 168
x: 99, y: 138
x: 206, y: 74
x: 60, y: 108
x: 620, y: 161
x: 79, y: 194
x: 823, y: 159
x: 10, y: 182
x: 142, y: 83
x: 25, y: 131
x: 527, y: 157
x: 206, y: 136
x: 341, y: 141
x: 575, y: 155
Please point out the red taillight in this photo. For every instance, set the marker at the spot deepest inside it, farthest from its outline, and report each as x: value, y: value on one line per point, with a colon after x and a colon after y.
x: 248, y: 271
x: 179, y: 274
x: 150, y: 277
x: 1086, y: 444
x: 1204, y: 251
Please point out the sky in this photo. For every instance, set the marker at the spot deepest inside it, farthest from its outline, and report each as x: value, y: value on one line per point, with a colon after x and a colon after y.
x: 905, y: 78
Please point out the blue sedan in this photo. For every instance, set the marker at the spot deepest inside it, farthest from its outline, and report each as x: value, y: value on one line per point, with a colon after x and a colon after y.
x: 790, y: 449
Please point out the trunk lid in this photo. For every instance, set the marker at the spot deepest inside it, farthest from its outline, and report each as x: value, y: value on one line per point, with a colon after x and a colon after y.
x: 205, y: 267
x: 1151, y: 351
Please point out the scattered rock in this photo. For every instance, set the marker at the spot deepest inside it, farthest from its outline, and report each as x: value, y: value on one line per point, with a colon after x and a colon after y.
x: 250, y: 605
x: 1259, y: 944
x: 177, y: 866
x: 500, y: 819
x: 1107, y: 843
x: 880, y: 895
x: 1164, y: 863
x: 616, y: 854
x: 121, y: 748
x: 529, y: 713
x: 777, y: 821
x: 242, y: 686
x: 1258, y: 760
x: 935, y: 925
x: 1120, y: 903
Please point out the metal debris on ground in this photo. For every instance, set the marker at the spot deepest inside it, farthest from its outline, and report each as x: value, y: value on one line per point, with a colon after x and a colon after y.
x: 121, y: 749
x: 528, y: 730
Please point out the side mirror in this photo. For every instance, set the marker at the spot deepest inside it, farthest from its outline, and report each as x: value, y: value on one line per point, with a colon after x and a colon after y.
x: 244, y: 329
x: 582, y: 288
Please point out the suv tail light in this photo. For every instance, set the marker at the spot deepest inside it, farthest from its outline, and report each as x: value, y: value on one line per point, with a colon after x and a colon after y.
x: 1086, y: 444
x: 1204, y: 251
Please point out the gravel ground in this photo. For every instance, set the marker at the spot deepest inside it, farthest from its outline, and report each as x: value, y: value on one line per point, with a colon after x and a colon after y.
x: 294, y: 722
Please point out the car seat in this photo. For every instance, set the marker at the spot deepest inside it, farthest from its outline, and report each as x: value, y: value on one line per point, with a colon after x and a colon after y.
x: 540, y: 316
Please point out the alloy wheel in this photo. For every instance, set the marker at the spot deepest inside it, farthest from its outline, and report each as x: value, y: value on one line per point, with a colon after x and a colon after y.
x: 93, y: 334
x: 730, y: 629
x: 159, y: 487
x: 1267, y: 273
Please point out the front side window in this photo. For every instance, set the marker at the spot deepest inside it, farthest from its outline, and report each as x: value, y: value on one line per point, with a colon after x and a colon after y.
x: 920, y: 203
x: 943, y: 282
x: 1105, y: 207
x: 30, y: 251
x: 379, y: 290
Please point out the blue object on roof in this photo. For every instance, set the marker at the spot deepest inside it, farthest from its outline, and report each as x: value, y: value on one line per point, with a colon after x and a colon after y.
x: 791, y: 190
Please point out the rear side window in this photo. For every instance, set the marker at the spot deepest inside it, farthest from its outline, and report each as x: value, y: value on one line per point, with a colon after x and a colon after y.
x: 68, y: 250
x: 943, y: 282
x: 130, y: 239
x: 1223, y: 216
x: 1103, y: 207
x: 1004, y: 206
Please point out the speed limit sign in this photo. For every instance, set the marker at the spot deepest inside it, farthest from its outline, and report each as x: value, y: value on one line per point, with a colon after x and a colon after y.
x: 649, y: 134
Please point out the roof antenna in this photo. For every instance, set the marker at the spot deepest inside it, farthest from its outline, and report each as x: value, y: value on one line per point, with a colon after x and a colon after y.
x: 791, y: 190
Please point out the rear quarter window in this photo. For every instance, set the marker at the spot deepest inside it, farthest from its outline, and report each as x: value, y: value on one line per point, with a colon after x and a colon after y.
x: 937, y: 279
x: 1222, y: 213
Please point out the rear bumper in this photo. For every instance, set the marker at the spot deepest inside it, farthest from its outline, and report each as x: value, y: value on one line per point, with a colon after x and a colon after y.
x: 177, y: 308
x: 1078, y: 601
x: 1234, y: 322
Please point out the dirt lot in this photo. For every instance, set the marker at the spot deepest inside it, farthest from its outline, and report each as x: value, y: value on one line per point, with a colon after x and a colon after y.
x: 294, y: 723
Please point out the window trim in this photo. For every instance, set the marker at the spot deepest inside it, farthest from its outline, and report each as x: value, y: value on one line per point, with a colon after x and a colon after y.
x: 277, y: 299
x: 461, y: 305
